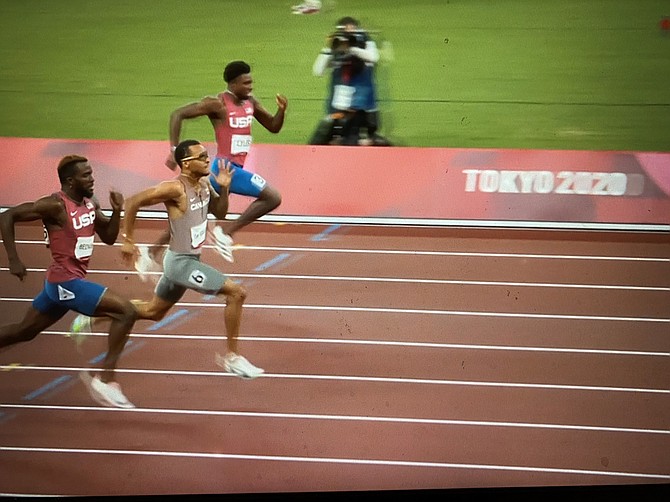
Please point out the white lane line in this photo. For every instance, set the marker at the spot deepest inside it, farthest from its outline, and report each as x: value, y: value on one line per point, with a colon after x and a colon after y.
x: 329, y: 460
x: 407, y: 311
x: 352, y: 418
x: 451, y: 281
x: 397, y: 280
x: 410, y: 252
x: 435, y: 312
x: 342, y: 378
x: 457, y: 253
x: 389, y: 343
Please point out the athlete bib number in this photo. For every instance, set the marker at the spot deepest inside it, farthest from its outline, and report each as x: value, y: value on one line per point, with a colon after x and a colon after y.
x: 198, y: 234
x: 240, y: 143
x: 83, y: 248
x: 342, y: 96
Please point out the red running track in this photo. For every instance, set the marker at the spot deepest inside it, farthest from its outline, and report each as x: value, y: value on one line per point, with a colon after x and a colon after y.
x: 395, y: 358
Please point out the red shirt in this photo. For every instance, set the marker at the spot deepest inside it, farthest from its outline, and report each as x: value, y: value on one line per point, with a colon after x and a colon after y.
x: 233, y: 136
x: 71, y: 246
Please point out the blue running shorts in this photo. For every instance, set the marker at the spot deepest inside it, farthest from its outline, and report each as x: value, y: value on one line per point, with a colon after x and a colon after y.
x: 77, y: 294
x: 242, y: 183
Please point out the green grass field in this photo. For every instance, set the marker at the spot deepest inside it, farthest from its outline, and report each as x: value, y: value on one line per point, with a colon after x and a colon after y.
x: 561, y: 74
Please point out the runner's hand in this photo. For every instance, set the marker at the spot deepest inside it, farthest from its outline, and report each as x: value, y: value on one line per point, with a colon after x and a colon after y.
x: 116, y: 200
x: 282, y: 102
x: 17, y: 268
x: 129, y: 252
x: 224, y: 176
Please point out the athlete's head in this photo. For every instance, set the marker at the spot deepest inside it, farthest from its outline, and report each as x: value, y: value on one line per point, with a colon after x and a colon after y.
x: 237, y: 75
x: 192, y: 158
x: 76, y: 176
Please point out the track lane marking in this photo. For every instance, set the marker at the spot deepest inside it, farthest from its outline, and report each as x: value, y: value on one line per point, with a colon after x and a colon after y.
x: 416, y: 252
x: 354, y: 418
x: 420, y: 381
x: 331, y: 460
x: 387, y: 310
x: 622, y: 287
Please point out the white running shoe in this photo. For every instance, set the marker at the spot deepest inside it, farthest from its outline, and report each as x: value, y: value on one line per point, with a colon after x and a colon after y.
x: 223, y: 243
x: 106, y: 394
x: 145, y: 265
x: 80, y: 329
x: 238, y: 365
x: 307, y: 7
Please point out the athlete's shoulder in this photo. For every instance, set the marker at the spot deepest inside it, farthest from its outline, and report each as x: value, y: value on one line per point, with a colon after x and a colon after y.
x: 54, y: 200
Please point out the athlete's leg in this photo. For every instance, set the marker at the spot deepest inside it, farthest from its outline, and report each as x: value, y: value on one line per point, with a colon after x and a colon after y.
x: 268, y: 200
x: 32, y: 324
x: 123, y: 315
x: 235, y: 295
x: 154, y: 309
x: 232, y: 361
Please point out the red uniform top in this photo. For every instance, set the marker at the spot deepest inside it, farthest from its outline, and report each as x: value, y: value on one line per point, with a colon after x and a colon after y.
x: 233, y: 136
x: 71, y: 246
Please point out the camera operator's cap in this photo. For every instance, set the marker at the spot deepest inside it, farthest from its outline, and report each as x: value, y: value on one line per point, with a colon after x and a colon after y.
x: 343, y: 21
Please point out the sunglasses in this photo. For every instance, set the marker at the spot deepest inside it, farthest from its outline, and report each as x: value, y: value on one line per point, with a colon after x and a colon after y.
x: 203, y: 156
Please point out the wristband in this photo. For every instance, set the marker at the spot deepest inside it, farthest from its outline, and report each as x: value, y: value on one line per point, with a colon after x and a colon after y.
x: 173, y: 148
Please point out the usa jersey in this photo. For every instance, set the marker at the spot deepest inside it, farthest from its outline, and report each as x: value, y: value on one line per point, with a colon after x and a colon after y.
x: 71, y: 246
x: 233, y: 136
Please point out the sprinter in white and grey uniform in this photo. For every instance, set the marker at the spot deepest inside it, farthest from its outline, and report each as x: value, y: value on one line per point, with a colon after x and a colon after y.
x: 188, y: 199
x: 182, y: 268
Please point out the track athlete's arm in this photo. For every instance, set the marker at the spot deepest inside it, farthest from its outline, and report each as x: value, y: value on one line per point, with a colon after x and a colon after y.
x: 49, y: 209
x: 272, y: 123
x: 169, y: 193
x: 209, y: 106
x: 107, y: 228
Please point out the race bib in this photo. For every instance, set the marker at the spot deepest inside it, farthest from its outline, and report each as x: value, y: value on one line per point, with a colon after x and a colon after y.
x: 342, y: 96
x: 83, y: 248
x: 240, y: 143
x: 198, y: 234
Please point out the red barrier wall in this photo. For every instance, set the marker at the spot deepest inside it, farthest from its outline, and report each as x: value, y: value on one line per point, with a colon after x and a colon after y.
x: 433, y: 183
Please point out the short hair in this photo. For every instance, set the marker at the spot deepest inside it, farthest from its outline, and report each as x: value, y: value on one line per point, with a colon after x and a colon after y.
x: 181, y: 151
x: 347, y: 20
x: 234, y: 69
x: 67, y: 166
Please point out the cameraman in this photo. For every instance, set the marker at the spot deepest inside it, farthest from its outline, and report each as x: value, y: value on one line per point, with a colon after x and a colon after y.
x: 352, y: 99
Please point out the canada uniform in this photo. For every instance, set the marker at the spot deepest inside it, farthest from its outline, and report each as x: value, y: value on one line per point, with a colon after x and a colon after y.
x: 182, y: 269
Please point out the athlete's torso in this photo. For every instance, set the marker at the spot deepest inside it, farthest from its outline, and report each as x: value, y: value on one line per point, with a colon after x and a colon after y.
x: 188, y: 232
x: 233, y: 133
x: 71, y: 246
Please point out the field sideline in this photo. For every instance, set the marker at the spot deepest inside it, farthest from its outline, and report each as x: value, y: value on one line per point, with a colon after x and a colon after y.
x: 574, y: 74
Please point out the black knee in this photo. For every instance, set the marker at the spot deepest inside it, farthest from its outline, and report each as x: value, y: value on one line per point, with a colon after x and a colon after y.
x: 129, y: 314
x: 272, y: 198
x: 26, y: 334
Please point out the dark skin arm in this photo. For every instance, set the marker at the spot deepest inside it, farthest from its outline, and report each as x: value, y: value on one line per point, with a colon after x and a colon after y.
x: 208, y: 106
x: 48, y: 209
x: 272, y: 123
x: 107, y: 228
